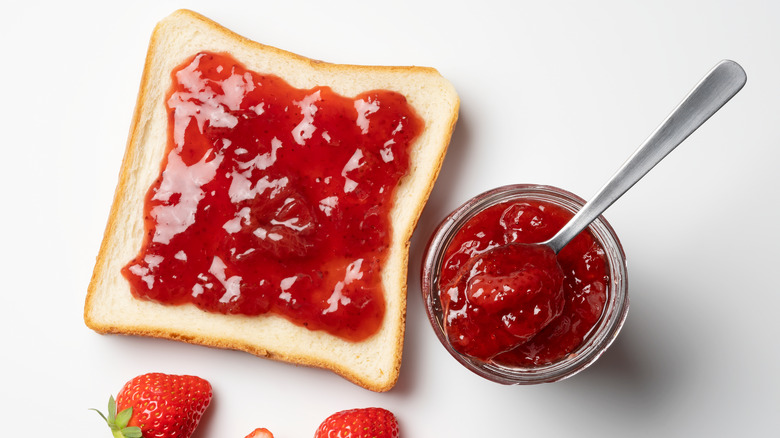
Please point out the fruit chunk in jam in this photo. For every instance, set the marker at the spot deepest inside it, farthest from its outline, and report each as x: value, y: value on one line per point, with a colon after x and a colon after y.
x: 273, y: 199
x: 517, y: 304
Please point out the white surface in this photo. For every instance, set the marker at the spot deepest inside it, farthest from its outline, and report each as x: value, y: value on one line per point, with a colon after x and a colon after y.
x: 552, y: 92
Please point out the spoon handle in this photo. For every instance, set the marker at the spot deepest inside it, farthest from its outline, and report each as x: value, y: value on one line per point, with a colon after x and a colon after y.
x: 709, y: 95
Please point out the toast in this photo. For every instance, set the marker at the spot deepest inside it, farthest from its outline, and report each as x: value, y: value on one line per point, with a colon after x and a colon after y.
x: 111, y: 307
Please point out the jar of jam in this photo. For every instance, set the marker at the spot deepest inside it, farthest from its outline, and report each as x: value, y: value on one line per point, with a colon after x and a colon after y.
x: 578, y: 326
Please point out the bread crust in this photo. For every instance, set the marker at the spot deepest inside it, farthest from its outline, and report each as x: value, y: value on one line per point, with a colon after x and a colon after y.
x: 110, y: 308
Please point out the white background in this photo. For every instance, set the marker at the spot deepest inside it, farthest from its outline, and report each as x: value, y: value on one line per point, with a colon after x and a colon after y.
x: 553, y: 92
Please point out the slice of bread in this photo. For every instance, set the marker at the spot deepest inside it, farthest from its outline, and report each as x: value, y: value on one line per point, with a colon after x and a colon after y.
x: 111, y: 308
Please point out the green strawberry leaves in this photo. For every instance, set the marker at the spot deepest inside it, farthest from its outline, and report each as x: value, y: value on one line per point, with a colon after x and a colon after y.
x: 118, y: 422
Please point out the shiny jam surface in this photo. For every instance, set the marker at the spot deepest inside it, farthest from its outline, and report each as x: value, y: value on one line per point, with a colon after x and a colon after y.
x: 511, y: 303
x: 273, y: 199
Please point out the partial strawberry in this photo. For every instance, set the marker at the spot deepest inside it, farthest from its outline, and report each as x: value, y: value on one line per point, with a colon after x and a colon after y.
x: 260, y: 432
x: 157, y: 405
x: 359, y: 423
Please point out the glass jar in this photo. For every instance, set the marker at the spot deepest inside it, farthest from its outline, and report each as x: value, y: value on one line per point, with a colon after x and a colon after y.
x: 596, y: 341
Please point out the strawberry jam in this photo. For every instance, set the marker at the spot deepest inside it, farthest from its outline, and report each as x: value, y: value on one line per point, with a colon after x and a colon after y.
x: 517, y: 304
x: 274, y: 199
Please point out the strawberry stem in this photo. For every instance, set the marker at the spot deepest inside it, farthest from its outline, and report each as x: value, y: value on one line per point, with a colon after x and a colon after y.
x: 118, y: 422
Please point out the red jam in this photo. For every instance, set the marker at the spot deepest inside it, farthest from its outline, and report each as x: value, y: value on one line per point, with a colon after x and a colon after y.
x: 517, y: 304
x: 274, y: 199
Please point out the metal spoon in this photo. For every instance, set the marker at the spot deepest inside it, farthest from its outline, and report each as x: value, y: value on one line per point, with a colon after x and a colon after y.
x: 709, y: 95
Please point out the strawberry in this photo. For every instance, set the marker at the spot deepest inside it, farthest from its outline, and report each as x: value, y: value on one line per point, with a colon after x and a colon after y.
x: 157, y: 405
x: 359, y: 423
x: 260, y: 433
